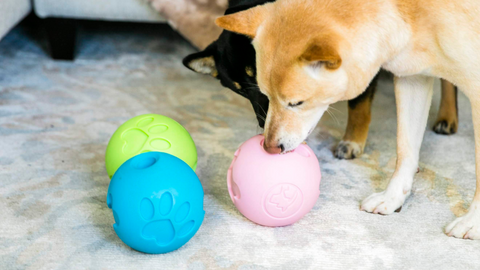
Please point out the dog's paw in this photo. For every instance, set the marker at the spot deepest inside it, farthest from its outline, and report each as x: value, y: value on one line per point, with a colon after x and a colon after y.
x: 384, y: 202
x: 445, y: 126
x: 348, y: 150
x: 467, y: 226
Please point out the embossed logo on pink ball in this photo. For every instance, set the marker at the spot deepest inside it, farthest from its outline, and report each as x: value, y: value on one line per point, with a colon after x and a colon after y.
x: 283, y: 200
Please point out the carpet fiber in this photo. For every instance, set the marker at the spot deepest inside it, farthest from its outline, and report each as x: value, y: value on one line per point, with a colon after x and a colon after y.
x: 56, y: 119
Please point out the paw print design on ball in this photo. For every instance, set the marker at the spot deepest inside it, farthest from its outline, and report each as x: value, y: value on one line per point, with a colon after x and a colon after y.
x: 157, y: 202
x: 149, y: 132
x: 166, y: 223
x: 135, y: 138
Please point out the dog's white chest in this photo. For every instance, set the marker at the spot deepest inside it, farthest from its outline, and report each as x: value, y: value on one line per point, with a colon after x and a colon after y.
x: 409, y: 62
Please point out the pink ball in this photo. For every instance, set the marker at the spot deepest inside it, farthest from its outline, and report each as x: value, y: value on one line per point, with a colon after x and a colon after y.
x: 273, y: 190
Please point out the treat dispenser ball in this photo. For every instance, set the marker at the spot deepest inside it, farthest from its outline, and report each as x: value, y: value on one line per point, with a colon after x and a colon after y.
x: 273, y: 190
x: 157, y: 202
x: 149, y: 132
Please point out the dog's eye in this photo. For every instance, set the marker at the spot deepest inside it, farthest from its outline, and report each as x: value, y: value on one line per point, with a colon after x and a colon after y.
x: 237, y: 85
x: 295, y: 104
x: 249, y: 71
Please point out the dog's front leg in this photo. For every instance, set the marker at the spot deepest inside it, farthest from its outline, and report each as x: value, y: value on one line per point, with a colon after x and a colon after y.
x: 468, y: 226
x: 413, y: 96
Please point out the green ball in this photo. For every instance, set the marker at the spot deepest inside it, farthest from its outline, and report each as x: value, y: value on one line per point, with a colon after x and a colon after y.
x: 149, y: 132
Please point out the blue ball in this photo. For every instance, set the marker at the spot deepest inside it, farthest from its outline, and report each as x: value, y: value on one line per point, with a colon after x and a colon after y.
x: 157, y: 202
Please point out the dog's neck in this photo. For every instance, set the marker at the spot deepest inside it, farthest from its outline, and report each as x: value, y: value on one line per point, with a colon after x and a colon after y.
x: 376, y: 44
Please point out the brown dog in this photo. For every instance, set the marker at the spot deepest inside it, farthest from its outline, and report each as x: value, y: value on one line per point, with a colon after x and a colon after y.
x: 231, y: 60
x: 311, y: 54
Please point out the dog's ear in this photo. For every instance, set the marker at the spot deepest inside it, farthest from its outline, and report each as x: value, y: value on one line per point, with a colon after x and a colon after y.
x: 202, y: 62
x: 245, y: 22
x: 324, y: 52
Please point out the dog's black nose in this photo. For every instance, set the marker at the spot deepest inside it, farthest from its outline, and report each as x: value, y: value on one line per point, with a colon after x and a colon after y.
x: 277, y: 149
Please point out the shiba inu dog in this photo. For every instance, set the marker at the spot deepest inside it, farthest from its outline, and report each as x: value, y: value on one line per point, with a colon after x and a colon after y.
x: 231, y: 60
x: 312, y: 53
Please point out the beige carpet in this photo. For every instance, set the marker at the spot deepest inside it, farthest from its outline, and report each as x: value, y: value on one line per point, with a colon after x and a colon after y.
x: 56, y: 119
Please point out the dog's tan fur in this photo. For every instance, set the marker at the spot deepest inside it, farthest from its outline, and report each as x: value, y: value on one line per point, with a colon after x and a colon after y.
x: 321, y: 52
x: 447, y: 119
x: 358, y: 122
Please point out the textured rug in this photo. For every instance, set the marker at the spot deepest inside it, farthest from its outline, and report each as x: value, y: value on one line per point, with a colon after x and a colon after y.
x: 57, y: 117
